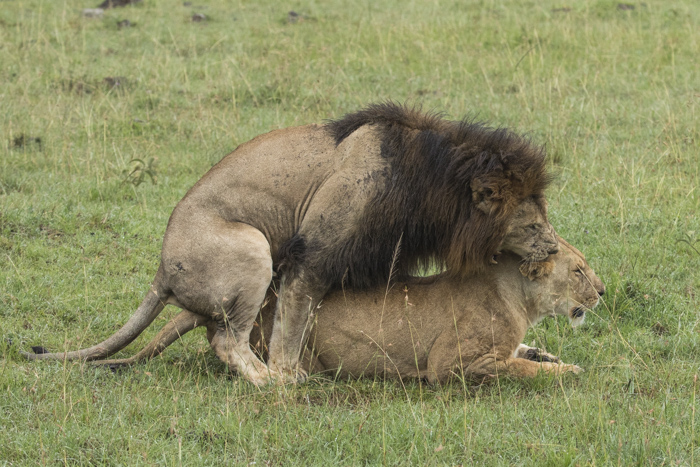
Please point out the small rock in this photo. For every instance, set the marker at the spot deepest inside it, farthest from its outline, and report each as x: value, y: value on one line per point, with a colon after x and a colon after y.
x: 115, y: 81
x: 625, y: 6
x: 198, y: 17
x: 125, y: 23
x: 117, y: 3
x: 21, y: 141
x: 93, y: 12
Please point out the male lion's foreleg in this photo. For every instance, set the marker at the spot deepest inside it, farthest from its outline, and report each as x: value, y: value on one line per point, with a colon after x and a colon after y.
x: 291, y: 327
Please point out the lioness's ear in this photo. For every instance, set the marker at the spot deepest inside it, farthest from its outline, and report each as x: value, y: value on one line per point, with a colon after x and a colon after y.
x: 483, y: 196
x: 536, y: 269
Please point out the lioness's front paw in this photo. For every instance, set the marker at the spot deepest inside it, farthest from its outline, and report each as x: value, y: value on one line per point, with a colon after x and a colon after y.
x: 575, y: 369
x: 538, y: 355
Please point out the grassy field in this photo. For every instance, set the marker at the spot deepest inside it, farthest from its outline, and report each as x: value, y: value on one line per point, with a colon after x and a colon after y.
x: 105, y: 126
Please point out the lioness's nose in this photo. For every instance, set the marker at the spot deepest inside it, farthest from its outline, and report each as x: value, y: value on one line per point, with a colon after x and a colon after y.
x: 601, y: 290
x: 553, y: 250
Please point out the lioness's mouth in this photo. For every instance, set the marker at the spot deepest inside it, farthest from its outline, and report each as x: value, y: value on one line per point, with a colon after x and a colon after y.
x: 577, y: 315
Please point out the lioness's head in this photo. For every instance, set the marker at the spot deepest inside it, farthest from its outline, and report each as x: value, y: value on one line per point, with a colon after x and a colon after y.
x: 529, y: 234
x: 570, y: 285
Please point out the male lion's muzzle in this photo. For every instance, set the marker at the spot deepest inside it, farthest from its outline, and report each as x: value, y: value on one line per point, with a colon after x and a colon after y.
x: 553, y: 242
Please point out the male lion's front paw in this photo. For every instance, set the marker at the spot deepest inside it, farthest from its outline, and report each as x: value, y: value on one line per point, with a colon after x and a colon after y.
x: 536, y: 269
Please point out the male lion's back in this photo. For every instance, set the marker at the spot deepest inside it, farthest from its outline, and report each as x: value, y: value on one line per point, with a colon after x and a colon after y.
x: 271, y: 181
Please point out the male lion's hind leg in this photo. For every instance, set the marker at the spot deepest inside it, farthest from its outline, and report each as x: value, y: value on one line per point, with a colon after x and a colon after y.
x: 221, y: 270
x: 229, y: 333
x: 235, y: 351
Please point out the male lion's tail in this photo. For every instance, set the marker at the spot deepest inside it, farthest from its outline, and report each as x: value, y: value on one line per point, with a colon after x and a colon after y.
x: 178, y: 326
x: 150, y: 307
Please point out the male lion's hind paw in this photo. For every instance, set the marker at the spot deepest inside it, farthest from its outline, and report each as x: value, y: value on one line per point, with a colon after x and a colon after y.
x: 286, y: 376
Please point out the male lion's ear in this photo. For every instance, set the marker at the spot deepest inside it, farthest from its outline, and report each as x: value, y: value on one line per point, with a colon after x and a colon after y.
x: 536, y: 269
x: 483, y: 196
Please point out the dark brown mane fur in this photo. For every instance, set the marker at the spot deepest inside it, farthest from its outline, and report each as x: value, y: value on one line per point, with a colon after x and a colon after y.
x: 427, y: 202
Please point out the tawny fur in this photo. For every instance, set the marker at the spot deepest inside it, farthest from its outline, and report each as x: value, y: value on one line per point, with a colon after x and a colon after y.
x: 435, y: 327
x: 327, y: 205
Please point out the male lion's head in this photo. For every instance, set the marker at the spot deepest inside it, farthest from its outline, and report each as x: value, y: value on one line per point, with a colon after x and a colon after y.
x: 571, y: 286
x: 528, y: 233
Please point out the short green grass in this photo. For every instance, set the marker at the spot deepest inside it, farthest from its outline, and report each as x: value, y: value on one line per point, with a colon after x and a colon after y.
x: 612, y: 89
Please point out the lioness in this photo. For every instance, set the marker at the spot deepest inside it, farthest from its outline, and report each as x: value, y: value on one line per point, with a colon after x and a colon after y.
x: 327, y: 206
x: 435, y: 327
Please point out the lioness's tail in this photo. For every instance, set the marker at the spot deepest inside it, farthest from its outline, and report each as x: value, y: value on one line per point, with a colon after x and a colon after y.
x: 144, y: 315
x: 180, y: 324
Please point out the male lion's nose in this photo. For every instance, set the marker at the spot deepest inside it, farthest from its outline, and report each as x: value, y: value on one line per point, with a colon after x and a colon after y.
x: 553, y: 250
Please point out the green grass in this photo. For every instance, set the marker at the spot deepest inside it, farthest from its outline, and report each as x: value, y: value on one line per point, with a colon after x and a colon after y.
x: 614, y: 94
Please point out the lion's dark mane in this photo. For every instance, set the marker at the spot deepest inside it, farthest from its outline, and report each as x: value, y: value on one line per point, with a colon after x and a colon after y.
x: 427, y: 202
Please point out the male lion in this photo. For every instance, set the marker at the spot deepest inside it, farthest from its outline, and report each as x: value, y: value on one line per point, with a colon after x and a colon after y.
x: 434, y: 327
x: 327, y: 205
